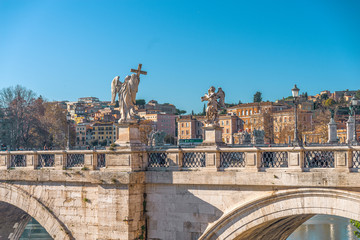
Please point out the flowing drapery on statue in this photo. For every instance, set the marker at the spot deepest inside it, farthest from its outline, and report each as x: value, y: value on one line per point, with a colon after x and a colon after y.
x: 127, y: 94
x: 216, y: 101
x: 127, y: 98
x: 115, y: 88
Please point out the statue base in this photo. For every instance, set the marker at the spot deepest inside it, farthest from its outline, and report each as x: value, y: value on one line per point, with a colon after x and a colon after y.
x: 212, y: 136
x: 332, y: 132
x: 128, y: 134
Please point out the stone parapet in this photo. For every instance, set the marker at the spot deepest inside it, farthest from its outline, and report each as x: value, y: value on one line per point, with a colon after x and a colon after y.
x: 205, y: 158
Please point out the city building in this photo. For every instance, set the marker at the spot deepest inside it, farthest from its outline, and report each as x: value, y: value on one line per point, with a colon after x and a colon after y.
x: 165, y: 108
x: 191, y: 127
x: 187, y: 127
x: 88, y: 99
x: 163, y: 122
x: 104, y: 131
x: 81, y: 134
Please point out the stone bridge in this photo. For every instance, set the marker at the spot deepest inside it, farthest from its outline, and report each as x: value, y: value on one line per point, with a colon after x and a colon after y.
x: 193, y: 193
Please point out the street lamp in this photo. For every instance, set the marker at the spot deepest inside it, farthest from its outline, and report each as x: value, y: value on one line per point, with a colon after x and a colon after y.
x: 295, y: 94
x: 68, y: 118
x: 354, y: 104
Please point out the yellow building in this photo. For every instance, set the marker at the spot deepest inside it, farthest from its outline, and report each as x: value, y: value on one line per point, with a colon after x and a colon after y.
x: 104, y: 131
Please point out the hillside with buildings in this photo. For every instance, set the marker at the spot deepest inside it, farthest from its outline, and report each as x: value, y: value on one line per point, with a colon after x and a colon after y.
x: 95, y: 120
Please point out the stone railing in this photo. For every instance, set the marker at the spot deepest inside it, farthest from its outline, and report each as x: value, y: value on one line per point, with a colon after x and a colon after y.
x: 257, y: 159
x: 214, y: 159
x: 85, y: 159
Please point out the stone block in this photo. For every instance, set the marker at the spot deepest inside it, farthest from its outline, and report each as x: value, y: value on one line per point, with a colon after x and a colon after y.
x: 210, y: 159
x: 294, y: 159
x: 250, y: 159
x: 341, y: 159
x: 116, y: 160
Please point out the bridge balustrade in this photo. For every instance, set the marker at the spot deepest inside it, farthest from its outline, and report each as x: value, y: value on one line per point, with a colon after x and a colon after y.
x: 75, y: 160
x: 158, y: 160
x: 232, y: 159
x: 356, y: 159
x: 319, y: 159
x: 278, y: 159
x: 17, y: 160
x: 101, y: 160
x: 193, y: 160
x: 46, y: 160
x: 208, y: 158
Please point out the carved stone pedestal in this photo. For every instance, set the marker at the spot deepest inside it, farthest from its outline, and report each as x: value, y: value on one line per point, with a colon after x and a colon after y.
x: 350, y: 129
x: 332, y: 132
x: 128, y: 135
x: 212, y: 136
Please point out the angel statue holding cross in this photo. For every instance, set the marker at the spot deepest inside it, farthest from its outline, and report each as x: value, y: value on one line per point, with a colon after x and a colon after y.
x: 216, y: 101
x: 127, y: 94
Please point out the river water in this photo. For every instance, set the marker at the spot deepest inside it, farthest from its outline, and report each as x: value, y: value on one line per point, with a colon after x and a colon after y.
x: 324, y: 227
x: 319, y: 227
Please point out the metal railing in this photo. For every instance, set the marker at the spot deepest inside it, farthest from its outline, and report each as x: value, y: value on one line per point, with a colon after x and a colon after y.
x: 18, y: 160
x: 158, y: 160
x: 75, y: 160
x: 101, y: 160
x: 274, y: 160
x: 46, y: 160
x: 356, y: 159
x: 193, y: 159
x: 232, y: 159
x: 174, y: 159
x: 319, y: 159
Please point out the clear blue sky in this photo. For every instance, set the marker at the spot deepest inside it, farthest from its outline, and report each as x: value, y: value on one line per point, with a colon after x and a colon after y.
x: 64, y: 50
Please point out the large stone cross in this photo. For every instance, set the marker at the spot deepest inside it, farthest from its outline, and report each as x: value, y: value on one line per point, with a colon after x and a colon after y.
x: 138, y: 71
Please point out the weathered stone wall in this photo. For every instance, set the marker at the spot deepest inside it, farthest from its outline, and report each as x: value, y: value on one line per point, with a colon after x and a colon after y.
x: 202, y: 199
x: 84, y: 206
x: 194, y: 204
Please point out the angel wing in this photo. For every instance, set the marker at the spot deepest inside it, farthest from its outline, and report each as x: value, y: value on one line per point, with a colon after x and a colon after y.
x: 221, y: 96
x: 115, y: 88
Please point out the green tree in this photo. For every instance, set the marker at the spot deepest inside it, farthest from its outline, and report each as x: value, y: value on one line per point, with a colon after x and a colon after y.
x: 204, y: 110
x: 140, y: 102
x: 258, y: 97
x: 94, y: 142
x: 103, y: 142
x: 357, y: 95
x: 179, y: 112
x: 324, y: 96
x: 329, y: 102
x: 169, y: 139
x: 356, y: 224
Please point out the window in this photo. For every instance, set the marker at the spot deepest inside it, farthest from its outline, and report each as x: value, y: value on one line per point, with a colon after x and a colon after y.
x: 242, y: 113
x: 247, y: 113
x: 187, y: 132
x: 222, y: 123
x: 227, y: 131
x: 250, y: 112
x: 227, y: 122
x: 187, y: 124
x: 182, y: 132
x: 182, y: 124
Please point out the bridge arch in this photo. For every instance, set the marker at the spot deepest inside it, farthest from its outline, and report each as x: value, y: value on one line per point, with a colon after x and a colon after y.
x: 23, y: 200
x: 277, y: 215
